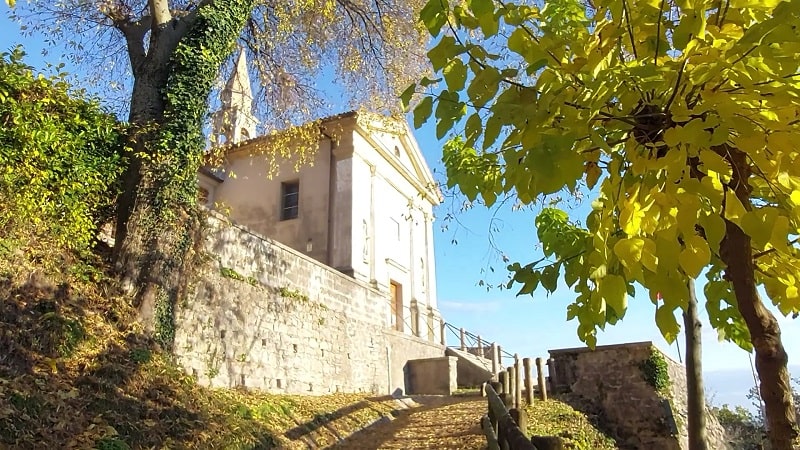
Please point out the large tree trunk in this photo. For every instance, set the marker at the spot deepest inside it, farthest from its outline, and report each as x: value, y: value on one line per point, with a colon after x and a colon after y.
x: 157, y: 219
x: 696, y: 401
x: 771, y: 359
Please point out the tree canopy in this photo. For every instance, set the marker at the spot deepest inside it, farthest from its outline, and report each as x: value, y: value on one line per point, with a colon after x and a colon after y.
x: 376, y: 45
x: 680, y: 115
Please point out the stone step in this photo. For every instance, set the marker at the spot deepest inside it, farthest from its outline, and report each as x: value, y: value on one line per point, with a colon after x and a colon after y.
x: 473, y: 370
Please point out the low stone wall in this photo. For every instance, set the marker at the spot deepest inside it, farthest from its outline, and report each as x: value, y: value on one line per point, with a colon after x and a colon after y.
x: 265, y: 316
x: 432, y: 376
x: 611, y: 383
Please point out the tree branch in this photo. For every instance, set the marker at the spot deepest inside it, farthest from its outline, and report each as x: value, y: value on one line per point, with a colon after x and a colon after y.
x: 773, y: 249
x: 159, y: 9
x: 134, y: 37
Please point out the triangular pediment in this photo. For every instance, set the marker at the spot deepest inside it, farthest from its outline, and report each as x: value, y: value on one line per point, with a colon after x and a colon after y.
x: 395, y: 142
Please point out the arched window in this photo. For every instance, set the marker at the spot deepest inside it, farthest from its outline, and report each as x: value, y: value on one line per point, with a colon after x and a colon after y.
x: 245, y: 135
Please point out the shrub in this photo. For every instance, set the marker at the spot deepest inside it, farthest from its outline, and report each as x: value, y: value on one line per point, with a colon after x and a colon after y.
x: 60, y: 160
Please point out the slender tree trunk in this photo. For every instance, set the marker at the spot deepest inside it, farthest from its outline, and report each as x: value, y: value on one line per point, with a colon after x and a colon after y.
x: 157, y: 221
x: 771, y: 359
x: 696, y: 401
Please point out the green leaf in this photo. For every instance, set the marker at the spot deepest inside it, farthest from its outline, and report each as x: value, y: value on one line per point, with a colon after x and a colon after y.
x: 484, y: 86
x: 665, y: 320
x: 522, y: 43
x: 455, y: 75
x: 695, y: 256
x: 405, y: 97
x: 473, y: 128
x: 423, y: 111
x: 444, y: 51
x: 531, y: 282
x: 434, y: 16
x: 550, y: 278
x: 481, y: 7
x: 612, y: 289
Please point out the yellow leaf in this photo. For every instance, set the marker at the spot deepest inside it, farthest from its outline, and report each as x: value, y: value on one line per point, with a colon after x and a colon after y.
x: 712, y: 161
x: 758, y: 225
x: 629, y: 252
x: 714, y: 228
x: 795, y: 197
x: 649, y: 259
x: 734, y: 210
x: 668, y: 253
x: 780, y: 234
x: 695, y: 256
x: 631, y: 218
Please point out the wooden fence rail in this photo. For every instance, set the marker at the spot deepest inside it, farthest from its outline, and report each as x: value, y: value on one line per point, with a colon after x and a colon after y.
x: 503, y: 431
x: 504, y: 428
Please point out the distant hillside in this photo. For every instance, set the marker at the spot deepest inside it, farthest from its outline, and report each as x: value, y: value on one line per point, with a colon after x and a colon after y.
x: 731, y: 386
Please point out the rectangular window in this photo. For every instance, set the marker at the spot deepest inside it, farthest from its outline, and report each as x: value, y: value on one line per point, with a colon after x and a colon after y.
x: 290, y: 195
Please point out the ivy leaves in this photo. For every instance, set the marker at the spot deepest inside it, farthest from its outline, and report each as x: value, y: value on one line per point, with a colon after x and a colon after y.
x: 643, y: 103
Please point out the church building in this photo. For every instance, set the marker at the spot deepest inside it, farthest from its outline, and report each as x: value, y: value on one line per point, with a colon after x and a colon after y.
x: 363, y: 205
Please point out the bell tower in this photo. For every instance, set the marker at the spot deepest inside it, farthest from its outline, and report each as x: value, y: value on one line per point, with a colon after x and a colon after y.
x: 234, y: 121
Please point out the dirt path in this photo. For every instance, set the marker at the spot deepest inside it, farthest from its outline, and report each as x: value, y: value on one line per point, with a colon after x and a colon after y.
x: 440, y: 422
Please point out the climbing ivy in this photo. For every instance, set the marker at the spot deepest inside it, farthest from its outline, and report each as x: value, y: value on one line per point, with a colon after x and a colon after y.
x: 170, y: 220
x: 656, y: 371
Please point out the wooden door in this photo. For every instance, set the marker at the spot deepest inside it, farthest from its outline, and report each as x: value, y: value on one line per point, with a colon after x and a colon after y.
x: 396, y: 296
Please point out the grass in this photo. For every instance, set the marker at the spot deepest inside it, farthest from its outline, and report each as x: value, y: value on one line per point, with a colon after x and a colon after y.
x: 78, y: 372
x: 556, y: 418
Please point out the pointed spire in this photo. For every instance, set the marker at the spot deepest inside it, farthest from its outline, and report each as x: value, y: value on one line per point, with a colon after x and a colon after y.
x: 234, y: 122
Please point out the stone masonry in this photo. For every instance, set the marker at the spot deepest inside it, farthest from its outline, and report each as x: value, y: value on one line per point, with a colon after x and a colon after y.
x: 265, y: 316
x: 609, y: 384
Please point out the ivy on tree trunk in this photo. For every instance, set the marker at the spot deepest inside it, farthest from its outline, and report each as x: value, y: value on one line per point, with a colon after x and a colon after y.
x: 158, y: 220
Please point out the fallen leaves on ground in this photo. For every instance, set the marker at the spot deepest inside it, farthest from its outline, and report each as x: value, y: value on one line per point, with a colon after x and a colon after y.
x: 77, y: 372
x: 556, y: 418
x: 439, y: 423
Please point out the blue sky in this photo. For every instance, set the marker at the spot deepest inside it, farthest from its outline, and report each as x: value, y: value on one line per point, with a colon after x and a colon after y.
x: 525, y: 325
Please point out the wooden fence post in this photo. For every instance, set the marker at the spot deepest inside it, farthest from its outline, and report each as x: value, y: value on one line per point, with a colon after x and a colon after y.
x: 502, y: 377
x: 526, y: 364
x: 461, y: 335
x: 512, y: 384
x: 540, y: 374
x: 494, y: 361
x: 518, y: 384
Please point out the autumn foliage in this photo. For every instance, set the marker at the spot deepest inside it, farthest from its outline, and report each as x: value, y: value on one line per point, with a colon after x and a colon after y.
x: 679, y: 116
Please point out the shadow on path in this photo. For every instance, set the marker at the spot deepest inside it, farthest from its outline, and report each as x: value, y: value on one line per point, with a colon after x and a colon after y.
x: 440, y: 422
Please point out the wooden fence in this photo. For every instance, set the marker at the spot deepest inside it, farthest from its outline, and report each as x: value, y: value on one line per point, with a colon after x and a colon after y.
x: 504, y: 427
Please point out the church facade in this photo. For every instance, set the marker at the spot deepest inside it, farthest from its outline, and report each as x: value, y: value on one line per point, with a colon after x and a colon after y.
x: 363, y: 206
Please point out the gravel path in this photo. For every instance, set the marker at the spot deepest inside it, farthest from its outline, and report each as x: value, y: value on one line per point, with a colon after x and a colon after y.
x: 439, y: 422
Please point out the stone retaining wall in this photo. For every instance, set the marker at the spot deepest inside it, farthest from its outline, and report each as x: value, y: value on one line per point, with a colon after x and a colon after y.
x: 610, y: 384
x: 265, y: 316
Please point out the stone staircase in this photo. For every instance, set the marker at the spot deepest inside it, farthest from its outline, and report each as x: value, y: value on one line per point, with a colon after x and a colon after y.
x: 473, y: 370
